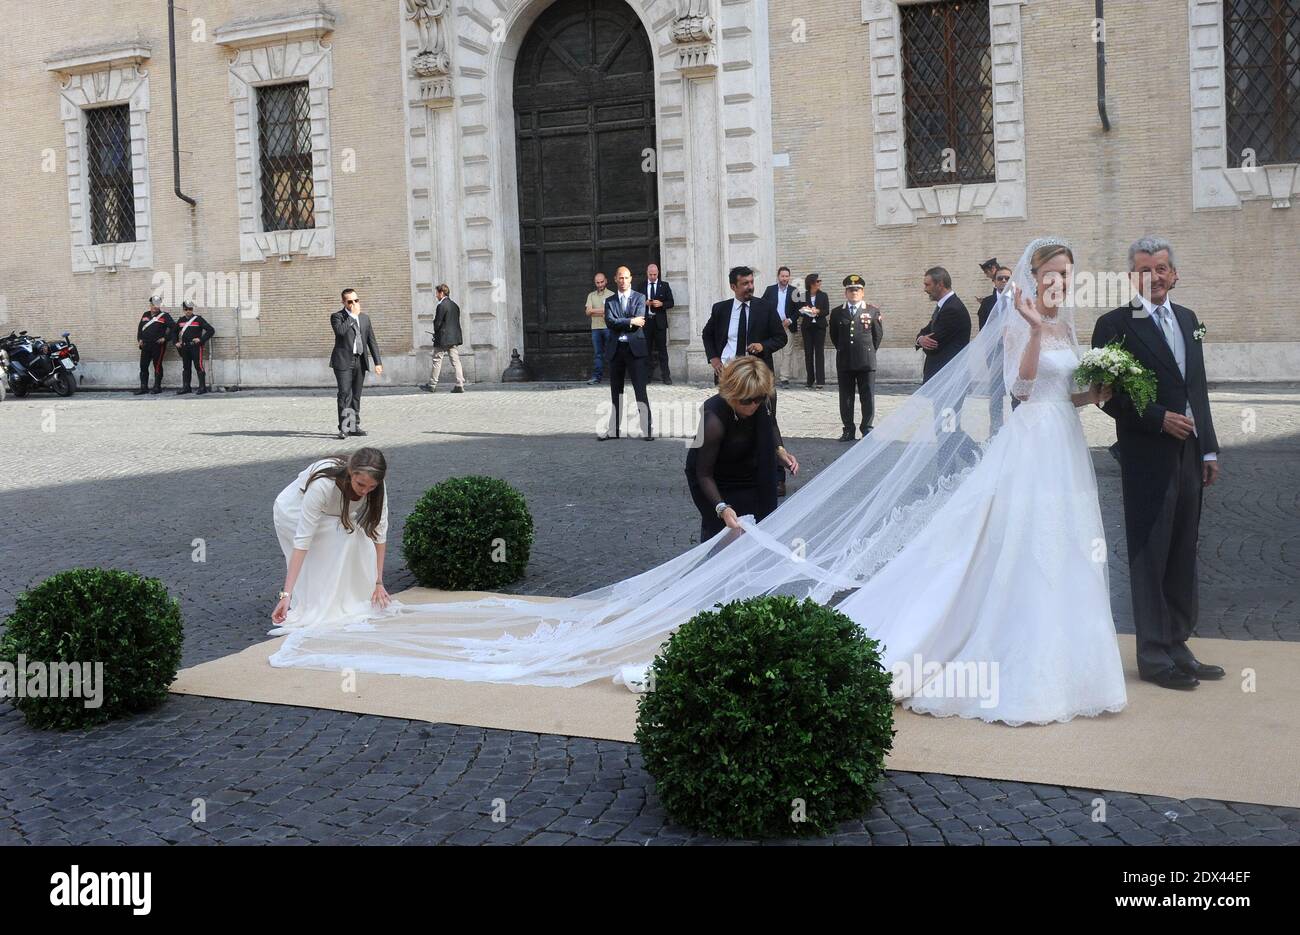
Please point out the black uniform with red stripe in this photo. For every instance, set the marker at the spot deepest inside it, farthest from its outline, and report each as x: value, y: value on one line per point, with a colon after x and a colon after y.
x: 191, y: 328
x: 153, y: 331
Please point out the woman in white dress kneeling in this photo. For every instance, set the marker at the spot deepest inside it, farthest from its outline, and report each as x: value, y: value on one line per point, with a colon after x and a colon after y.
x: 332, y: 523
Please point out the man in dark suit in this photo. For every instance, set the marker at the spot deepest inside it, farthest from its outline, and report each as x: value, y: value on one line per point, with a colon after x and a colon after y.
x: 658, y: 300
x: 997, y: 387
x: 627, y: 352
x: 948, y: 330
x: 744, y: 325
x: 446, y: 339
x: 856, y: 331
x: 354, y: 345
x: 785, y: 298
x: 1168, y: 454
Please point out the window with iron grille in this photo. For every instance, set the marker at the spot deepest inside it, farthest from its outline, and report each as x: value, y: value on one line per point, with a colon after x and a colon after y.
x: 284, y: 157
x: 1261, y: 59
x: 108, y: 170
x: 948, y: 93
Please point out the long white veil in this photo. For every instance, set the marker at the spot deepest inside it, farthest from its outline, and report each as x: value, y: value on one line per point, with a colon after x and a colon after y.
x: 826, y: 539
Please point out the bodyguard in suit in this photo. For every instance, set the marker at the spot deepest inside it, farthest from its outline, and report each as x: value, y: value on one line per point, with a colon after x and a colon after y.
x: 354, y: 345
x: 948, y: 330
x: 1168, y: 454
x: 811, y: 323
x: 744, y: 325
x: 997, y: 387
x: 658, y: 300
x: 856, y: 331
x: 446, y: 339
x: 785, y: 298
x: 627, y: 352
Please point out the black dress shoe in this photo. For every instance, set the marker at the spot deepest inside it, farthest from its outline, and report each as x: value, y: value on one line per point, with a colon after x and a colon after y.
x: 458, y: 389
x: 667, y: 382
x: 1199, y: 670
x: 341, y: 436
x: 846, y: 435
x: 184, y: 391
x: 202, y: 390
x: 358, y: 432
x: 1172, y: 678
x: 140, y: 392
x: 866, y: 431
x: 605, y: 438
x: 647, y: 438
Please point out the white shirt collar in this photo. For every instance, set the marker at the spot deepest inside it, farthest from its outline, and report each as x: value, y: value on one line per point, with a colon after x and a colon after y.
x: 1151, y: 308
x: 946, y: 296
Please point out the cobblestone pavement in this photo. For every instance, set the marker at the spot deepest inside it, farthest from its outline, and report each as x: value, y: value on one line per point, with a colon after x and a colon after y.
x: 115, y: 469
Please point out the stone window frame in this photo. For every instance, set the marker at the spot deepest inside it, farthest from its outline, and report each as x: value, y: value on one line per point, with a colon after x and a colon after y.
x: 281, y: 49
x: 1215, y: 184
x: 899, y: 205
x: 95, y: 77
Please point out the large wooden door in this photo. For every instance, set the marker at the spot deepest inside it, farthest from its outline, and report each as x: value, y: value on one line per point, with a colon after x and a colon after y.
x: 584, y: 120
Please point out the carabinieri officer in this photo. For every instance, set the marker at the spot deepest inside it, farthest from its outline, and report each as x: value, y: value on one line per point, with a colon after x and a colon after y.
x: 192, y: 335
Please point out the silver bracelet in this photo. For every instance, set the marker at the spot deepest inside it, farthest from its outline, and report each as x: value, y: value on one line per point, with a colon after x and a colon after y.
x: 721, y: 508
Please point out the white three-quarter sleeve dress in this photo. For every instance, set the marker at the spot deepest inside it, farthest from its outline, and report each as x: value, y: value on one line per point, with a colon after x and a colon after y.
x: 339, y: 574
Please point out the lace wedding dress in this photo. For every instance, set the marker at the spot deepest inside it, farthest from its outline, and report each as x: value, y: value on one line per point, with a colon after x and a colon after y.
x: 999, y: 607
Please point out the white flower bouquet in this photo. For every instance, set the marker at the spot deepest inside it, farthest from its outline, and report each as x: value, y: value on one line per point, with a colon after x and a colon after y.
x: 1113, y: 366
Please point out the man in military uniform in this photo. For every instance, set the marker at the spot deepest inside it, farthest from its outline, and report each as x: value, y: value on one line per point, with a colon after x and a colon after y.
x: 151, y: 334
x: 192, y: 334
x: 856, y: 331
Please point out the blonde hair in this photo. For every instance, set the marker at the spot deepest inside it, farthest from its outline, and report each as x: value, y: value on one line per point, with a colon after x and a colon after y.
x: 745, y: 378
x: 1048, y: 252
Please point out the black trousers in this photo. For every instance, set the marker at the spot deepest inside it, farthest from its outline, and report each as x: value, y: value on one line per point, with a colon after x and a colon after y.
x: 863, y: 382
x: 814, y: 354
x: 151, y: 358
x: 1162, y: 521
x: 195, y: 356
x: 350, y: 382
x: 657, y: 339
x: 623, y: 363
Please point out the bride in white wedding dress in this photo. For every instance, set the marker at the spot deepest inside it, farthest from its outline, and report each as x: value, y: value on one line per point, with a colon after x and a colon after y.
x: 999, y: 608
x: 962, y: 548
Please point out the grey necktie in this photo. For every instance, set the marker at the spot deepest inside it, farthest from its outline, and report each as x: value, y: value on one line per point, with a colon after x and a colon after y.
x: 1164, y: 315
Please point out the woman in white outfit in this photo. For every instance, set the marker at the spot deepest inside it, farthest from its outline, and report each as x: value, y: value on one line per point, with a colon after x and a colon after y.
x: 332, y: 523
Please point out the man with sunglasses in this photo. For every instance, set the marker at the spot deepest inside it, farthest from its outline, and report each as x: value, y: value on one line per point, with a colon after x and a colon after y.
x: 354, y: 345
x: 1001, y: 298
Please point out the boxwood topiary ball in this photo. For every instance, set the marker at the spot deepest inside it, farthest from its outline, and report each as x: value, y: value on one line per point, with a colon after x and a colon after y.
x: 767, y: 717
x: 468, y: 533
x: 124, y: 621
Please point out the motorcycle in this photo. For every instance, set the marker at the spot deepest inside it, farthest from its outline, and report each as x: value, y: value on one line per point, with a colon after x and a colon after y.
x: 33, y: 363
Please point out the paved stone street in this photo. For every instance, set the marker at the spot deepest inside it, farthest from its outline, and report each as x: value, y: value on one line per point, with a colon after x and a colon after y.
x: 98, y: 479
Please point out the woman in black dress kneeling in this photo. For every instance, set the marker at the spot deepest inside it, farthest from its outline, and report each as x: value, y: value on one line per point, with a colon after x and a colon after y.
x: 732, y: 468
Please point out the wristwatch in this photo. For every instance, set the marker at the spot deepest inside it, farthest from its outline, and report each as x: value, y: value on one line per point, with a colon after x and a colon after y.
x: 282, y: 595
x: 721, y: 508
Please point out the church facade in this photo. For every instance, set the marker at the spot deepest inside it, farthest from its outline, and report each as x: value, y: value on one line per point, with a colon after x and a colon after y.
x: 513, y: 148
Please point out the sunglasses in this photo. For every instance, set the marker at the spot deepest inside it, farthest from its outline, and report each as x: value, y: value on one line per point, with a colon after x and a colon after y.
x: 1001, y: 278
x: 753, y: 400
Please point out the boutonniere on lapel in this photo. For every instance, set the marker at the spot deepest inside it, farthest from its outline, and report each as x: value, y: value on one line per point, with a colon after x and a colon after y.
x: 1199, y: 333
